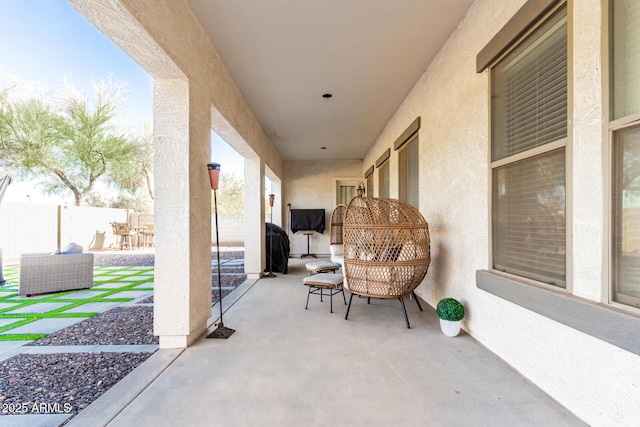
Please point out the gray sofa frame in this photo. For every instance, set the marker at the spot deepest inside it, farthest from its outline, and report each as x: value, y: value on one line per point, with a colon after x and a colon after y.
x: 44, y: 273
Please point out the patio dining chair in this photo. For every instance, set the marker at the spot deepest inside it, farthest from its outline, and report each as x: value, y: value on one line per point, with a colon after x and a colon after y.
x: 147, y: 235
x: 124, y: 234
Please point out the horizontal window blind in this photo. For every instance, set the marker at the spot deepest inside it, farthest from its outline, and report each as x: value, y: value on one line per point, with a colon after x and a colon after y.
x: 625, y: 46
x: 529, y: 91
x: 383, y: 180
x: 626, y: 236
x: 408, y: 159
x: 528, y: 218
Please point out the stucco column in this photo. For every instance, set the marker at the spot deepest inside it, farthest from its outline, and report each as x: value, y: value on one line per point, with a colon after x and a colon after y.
x: 254, y: 219
x: 182, y: 290
x: 585, y: 201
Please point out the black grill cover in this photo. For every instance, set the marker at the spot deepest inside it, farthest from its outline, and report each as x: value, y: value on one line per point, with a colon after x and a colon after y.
x: 280, y: 253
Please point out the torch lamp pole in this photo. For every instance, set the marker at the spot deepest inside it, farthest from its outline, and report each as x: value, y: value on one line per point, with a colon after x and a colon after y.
x: 271, y: 199
x: 214, y: 175
x: 288, y: 222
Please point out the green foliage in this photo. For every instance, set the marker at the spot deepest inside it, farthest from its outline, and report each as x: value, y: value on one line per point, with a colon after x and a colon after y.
x: 230, y: 195
x: 70, y: 145
x: 138, y: 202
x: 450, y: 309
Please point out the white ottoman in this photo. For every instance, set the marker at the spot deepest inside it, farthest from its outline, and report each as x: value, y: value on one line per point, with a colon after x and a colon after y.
x: 319, y: 282
x: 321, y: 267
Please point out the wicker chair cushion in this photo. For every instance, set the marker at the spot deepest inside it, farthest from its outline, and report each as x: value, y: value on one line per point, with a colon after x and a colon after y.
x: 320, y: 266
x: 336, y: 249
x: 328, y: 280
x: 391, y: 254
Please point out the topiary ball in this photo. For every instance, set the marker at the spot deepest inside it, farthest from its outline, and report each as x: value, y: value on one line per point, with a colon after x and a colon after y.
x: 450, y: 309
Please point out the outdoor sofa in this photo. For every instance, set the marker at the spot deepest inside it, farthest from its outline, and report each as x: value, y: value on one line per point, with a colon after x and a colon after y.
x: 43, y: 273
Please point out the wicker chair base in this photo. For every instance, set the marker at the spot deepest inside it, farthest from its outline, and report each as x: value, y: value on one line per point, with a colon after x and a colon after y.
x: 404, y: 308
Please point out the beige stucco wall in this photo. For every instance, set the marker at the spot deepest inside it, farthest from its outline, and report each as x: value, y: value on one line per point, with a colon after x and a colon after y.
x: 312, y: 185
x: 597, y: 381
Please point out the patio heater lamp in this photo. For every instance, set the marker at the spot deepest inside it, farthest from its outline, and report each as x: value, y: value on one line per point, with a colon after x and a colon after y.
x: 271, y: 199
x: 289, y: 221
x: 214, y: 176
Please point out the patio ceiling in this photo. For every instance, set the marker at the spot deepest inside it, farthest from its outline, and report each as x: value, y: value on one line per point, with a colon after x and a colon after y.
x: 285, y: 54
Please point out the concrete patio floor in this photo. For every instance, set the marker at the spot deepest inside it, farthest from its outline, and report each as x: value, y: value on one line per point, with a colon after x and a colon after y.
x: 287, y: 366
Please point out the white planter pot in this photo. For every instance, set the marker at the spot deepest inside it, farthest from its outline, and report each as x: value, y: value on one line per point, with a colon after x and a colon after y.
x: 449, y: 328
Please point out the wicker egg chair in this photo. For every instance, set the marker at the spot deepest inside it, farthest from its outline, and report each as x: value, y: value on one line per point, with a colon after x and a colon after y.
x: 335, y: 227
x: 336, y: 223
x: 386, y: 249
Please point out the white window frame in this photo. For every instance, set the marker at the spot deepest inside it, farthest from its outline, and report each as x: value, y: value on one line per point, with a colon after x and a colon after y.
x: 615, y: 125
x: 547, y: 148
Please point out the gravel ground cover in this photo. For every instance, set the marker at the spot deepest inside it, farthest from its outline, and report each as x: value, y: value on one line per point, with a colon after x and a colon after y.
x: 65, y: 382
x: 118, y: 326
x: 68, y: 382
x: 125, y: 258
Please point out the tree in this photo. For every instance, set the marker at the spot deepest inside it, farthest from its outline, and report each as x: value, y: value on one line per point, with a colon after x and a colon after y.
x: 142, y: 175
x: 69, y: 146
x: 230, y: 195
x: 139, y: 202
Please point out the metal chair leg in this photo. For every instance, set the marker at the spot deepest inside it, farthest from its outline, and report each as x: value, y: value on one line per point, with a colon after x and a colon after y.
x: 349, y: 307
x: 343, y: 297
x: 406, y: 317
x: 330, y: 301
x: 308, y: 294
x: 415, y: 297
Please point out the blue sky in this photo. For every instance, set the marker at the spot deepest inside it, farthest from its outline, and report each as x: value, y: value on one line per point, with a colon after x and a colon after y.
x: 44, y: 40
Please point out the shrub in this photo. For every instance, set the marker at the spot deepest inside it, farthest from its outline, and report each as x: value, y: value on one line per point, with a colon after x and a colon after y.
x: 450, y: 309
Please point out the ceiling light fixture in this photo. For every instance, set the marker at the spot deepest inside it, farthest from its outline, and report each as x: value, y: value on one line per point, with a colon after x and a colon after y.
x: 323, y: 148
x: 327, y: 95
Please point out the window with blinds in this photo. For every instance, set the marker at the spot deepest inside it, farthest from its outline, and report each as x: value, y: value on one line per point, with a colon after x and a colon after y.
x: 529, y: 106
x: 626, y: 213
x: 529, y: 132
x: 408, y: 159
x: 624, y: 46
x: 528, y: 230
x: 383, y: 180
x: 625, y: 49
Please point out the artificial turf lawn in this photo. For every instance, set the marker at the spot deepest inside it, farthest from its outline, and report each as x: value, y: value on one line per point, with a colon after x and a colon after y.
x: 131, y: 279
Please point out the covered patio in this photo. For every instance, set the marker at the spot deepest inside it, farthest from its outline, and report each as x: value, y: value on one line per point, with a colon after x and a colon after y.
x: 288, y: 366
x: 315, y: 97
